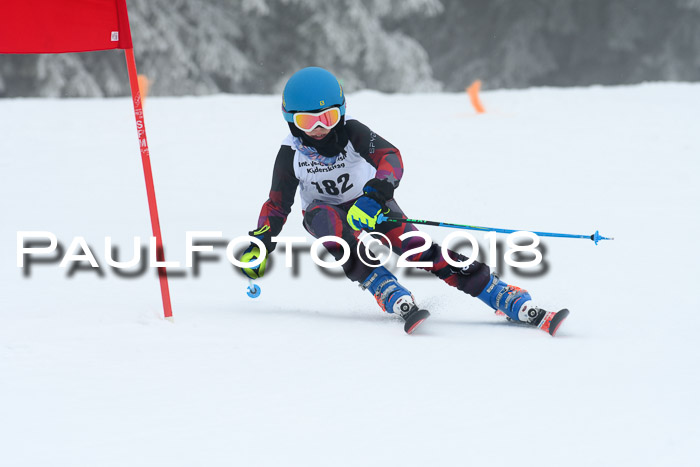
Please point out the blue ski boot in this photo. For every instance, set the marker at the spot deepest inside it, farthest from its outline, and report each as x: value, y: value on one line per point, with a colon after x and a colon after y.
x: 515, y: 303
x: 392, y: 297
x: 512, y: 301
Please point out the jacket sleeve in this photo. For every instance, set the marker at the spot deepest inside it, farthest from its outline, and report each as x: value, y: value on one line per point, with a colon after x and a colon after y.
x: 275, y: 210
x: 383, y: 155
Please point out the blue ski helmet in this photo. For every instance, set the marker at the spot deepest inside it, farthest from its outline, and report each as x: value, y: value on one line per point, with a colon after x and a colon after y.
x: 311, y: 89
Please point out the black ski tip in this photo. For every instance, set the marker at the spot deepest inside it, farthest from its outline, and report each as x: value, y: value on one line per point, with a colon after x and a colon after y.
x: 557, y: 320
x: 414, y: 319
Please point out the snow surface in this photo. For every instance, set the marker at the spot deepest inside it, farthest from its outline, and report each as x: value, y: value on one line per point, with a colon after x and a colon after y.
x: 312, y: 373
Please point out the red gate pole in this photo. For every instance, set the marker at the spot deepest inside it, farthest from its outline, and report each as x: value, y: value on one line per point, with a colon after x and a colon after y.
x: 150, y: 189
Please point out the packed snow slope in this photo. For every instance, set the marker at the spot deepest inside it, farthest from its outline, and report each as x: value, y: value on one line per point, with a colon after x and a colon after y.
x: 312, y: 373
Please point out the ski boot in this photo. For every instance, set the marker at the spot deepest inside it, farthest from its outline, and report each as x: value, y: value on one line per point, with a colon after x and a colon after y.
x: 515, y: 304
x: 392, y: 297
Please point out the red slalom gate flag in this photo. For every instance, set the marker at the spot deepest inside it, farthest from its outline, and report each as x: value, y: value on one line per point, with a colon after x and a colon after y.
x: 57, y: 26
x: 60, y: 26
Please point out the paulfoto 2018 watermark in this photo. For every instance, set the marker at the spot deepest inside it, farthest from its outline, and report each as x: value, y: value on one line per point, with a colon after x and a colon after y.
x: 79, y: 251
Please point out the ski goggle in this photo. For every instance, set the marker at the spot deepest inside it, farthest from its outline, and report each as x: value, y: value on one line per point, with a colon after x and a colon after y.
x: 307, y: 121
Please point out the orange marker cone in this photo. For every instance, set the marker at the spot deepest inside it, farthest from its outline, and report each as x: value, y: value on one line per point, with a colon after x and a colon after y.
x: 473, y: 91
x: 143, y: 86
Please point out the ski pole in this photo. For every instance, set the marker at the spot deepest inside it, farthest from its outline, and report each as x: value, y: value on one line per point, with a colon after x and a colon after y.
x: 596, y: 237
x: 253, y: 290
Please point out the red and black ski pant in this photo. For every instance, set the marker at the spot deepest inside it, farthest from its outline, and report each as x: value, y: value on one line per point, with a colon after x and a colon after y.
x: 321, y: 220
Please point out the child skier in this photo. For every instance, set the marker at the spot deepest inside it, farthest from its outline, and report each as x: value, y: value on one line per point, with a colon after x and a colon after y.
x: 347, y: 175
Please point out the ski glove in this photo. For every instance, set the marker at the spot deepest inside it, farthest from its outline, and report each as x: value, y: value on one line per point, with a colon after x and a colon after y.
x: 364, y: 213
x: 367, y: 208
x: 252, y: 253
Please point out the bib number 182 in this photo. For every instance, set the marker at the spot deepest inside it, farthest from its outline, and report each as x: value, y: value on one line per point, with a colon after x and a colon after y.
x: 331, y: 186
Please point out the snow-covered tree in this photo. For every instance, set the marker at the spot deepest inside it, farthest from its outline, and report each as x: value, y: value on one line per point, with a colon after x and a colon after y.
x: 518, y: 43
x: 194, y: 47
x: 209, y: 46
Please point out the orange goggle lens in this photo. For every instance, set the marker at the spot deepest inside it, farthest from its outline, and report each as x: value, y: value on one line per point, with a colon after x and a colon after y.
x: 307, y: 121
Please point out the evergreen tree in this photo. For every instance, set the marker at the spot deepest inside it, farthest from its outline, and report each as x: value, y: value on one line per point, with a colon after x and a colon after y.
x: 195, y: 47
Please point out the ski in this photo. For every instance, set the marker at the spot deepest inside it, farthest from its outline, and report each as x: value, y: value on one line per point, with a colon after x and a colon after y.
x: 552, y: 320
x: 414, y: 318
x: 550, y: 323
